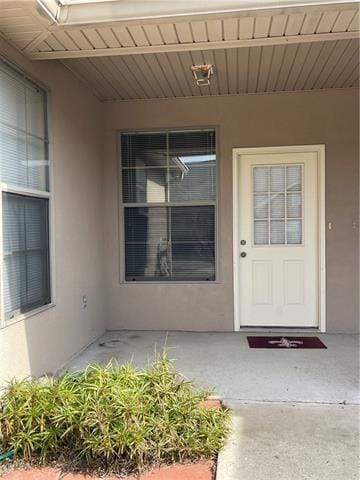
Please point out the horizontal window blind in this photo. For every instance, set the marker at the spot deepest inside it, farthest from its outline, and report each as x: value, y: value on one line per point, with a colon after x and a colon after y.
x: 176, y: 169
x: 23, y: 133
x: 170, y: 243
x: 26, y: 253
x: 24, y: 165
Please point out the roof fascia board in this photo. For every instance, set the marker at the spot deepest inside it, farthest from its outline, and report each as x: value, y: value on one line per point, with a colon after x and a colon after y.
x: 212, y: 16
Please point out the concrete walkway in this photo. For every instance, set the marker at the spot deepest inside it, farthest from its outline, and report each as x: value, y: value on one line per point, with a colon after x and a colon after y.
x: 291, y: 441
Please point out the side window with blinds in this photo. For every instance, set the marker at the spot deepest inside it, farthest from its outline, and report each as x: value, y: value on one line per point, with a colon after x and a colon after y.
x: 24, y: 179
x: 169, y: 205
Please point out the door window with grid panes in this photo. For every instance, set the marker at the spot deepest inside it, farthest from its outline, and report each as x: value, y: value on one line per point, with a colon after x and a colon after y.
x: 277, y: 205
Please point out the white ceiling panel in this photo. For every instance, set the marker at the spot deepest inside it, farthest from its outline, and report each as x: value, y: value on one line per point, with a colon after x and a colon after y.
x: 276, y: 68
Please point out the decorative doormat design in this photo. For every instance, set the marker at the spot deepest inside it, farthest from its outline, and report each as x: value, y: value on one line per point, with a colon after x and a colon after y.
x: 285, y: 342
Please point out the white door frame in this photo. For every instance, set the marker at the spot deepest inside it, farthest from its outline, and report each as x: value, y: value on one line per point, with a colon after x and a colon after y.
x: 320, y: 151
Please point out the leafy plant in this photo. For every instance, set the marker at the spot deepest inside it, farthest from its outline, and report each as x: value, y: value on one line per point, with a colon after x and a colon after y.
x: 112, y: 415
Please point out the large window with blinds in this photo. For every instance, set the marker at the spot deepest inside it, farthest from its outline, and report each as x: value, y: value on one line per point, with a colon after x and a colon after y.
x: 169, y: 205
x: 24, y: 199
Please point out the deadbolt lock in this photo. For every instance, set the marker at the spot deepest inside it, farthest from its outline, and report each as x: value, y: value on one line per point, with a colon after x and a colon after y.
x: 242, y: 242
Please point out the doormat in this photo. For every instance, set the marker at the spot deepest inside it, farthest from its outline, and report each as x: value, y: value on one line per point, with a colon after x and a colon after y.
x: 285, y: 342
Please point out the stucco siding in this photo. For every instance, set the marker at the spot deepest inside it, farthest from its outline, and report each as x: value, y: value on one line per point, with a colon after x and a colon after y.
x: 43, y: 342
x: 328, y: 117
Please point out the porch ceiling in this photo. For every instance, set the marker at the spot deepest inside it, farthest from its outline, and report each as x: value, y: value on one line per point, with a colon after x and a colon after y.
x: 283, y: 49
x: 242, y: 70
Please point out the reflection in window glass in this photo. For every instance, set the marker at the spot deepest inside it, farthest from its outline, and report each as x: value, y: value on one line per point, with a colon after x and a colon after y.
x: 193, y: 182
x: 169, y: 243
x: 175, y: 241
x: 143, y: 150
x: 145, y: 185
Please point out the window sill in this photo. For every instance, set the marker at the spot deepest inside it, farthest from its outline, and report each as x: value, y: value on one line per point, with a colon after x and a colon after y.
x: 24, y: 316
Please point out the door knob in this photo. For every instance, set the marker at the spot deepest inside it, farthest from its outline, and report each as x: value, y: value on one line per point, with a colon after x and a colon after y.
x: 243, y: 254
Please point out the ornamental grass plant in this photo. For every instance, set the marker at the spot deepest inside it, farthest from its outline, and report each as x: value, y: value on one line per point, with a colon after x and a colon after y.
x: 119, y: 417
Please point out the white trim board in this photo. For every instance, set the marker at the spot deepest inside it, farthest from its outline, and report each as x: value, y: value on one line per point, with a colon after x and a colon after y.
x: 196, y: 46
x: 320, y: 151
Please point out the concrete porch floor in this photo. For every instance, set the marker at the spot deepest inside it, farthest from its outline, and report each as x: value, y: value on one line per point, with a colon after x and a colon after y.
x: 223, y: 362
x: 294, y: 412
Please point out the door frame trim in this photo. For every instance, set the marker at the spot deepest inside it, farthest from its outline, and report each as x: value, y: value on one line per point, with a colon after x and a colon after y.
x: 320, y: 152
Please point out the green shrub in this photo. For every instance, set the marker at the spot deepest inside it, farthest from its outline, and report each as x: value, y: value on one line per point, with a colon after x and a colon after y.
x: 111, y: 415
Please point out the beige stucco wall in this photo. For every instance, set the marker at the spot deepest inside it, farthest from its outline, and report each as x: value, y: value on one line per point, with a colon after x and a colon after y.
x: 45, y: 341
x: 86, y: 212
x: 329, y: 117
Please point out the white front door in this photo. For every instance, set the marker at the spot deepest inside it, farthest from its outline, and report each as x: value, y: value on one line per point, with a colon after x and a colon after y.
x: 278, y: 227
